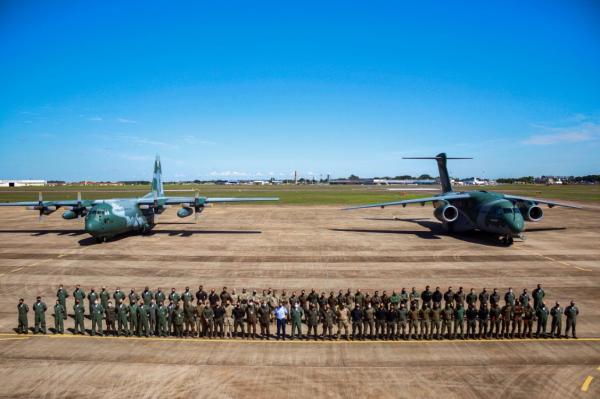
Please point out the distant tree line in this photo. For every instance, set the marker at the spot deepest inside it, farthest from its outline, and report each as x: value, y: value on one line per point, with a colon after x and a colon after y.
x: 134, y: 182
x: 565, y: 180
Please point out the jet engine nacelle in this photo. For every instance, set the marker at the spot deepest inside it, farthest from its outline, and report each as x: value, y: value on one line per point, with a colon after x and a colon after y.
x: 184, y: 212
x: 69, y: 215
x: 446, y: 213
x: 532, y: 213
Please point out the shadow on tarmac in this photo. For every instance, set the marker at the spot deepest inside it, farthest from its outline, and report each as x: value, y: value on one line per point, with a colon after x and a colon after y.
x: 171, y: 233
x: 436, y: 230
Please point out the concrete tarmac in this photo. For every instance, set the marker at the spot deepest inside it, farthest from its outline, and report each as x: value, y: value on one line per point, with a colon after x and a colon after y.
x: 295, y: 247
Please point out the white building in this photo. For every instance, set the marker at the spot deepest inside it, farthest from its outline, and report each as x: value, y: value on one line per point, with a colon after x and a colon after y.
x: 22, y: 183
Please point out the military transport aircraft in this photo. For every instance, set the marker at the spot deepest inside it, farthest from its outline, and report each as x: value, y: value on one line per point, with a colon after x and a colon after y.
x: 106, y: 218
x: 496, y: 213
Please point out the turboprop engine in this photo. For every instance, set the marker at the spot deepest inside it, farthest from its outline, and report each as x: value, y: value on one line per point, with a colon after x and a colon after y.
x: 69, y: 215
x: 532, y: 213
x: 185, y: 212
x: 446, y: 213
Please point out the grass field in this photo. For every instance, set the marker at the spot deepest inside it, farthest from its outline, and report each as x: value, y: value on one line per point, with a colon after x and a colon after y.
x: 293, y: 195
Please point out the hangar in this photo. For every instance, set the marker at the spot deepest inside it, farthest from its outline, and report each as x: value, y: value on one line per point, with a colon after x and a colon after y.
x: 22, y: 183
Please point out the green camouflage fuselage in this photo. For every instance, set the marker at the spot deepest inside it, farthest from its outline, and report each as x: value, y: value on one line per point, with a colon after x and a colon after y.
x: 117, y: 216
x: 486, y: 211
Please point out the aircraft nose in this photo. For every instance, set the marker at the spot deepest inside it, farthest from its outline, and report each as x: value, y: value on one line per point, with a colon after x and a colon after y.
x: 515, y: 223
x: 93, y: 227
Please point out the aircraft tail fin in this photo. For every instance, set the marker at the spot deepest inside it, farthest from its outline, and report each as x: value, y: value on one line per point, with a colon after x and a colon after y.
x: 157, y: 184
x: 443, y: 169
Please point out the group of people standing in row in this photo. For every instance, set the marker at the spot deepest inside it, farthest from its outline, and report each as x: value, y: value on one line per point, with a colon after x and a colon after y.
x: 355, y: 315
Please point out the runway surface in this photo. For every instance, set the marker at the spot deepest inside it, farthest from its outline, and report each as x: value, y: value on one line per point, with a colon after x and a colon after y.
x: 297, y: 247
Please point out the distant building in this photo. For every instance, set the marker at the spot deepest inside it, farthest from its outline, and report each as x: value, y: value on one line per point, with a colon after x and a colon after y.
x: 22, y: 183
x: 351, y: 181
x: 405, y: 181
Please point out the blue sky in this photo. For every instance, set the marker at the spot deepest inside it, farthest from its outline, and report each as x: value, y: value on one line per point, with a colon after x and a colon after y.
x: 241, y: 89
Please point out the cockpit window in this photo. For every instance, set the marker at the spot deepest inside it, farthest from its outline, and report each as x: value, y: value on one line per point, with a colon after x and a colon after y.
x: 508, y: 211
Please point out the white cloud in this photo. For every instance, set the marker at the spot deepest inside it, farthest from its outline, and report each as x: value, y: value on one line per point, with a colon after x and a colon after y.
x: 135, y: 158
x: 586, y: 131
x: 567, y: 137
x: 124, y: 120
x: 95, y: 119
x: 230, y: 173
x: 147, y: 141
x: 193, y: 140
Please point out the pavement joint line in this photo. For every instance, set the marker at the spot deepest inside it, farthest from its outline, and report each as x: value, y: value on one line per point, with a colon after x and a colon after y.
x: 586, y: 384
x: 564, y: 263
x: 302, y: 341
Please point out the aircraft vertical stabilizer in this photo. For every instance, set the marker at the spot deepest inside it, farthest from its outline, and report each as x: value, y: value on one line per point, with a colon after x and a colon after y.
x: 443, y: 169
x: 157, y: 184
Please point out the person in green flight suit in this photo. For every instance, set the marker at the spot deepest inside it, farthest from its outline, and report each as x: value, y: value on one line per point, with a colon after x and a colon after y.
x: 459, y: 321
x: 39, y: 311
x: 571, y: 312
x: 178, y: 320
x: 97, y: 313
x: 134, y: 328
x: 118, y: 296
x: 23, y: 324
x: 62, y: 296
x: 104, y: 298
x: 296, y: 315
x: 59, y: 313
x: 79, y: 311
x: 163, y: 313
x: 542, y: 316
x: 144, y: 323
x: 122, y: 315
x: 79, y: 293
x: 556, y: 327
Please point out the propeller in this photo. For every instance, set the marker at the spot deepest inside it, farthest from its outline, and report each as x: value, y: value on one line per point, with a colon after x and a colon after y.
x: 198, y: 207
x: 78, y: 209
x: 155, y: 206
x: 40, y: 207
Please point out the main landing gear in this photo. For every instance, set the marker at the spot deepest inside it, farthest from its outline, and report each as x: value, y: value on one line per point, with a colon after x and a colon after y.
x: 507, y: 240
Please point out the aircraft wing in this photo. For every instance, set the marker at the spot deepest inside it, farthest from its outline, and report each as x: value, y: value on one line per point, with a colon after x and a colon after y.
x: 200, y: 200
x: 551, y: 204
x: 82, y: 203
x: 446, y: 197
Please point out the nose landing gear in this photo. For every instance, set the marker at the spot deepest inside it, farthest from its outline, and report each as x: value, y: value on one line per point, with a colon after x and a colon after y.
x: 507, y: 240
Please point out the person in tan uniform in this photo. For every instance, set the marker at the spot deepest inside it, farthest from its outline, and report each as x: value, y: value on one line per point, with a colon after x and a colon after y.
x: 343, y: 317
x: 229, y: 319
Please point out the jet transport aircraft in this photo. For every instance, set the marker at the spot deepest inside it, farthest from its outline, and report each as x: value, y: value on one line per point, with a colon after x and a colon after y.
x: 106, y: 218
x: 496, y: 213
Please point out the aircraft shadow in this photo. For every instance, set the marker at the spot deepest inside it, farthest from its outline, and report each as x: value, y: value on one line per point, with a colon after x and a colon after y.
x: 436, y: 230
x: 171, y: 233
x: 41, y: 232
